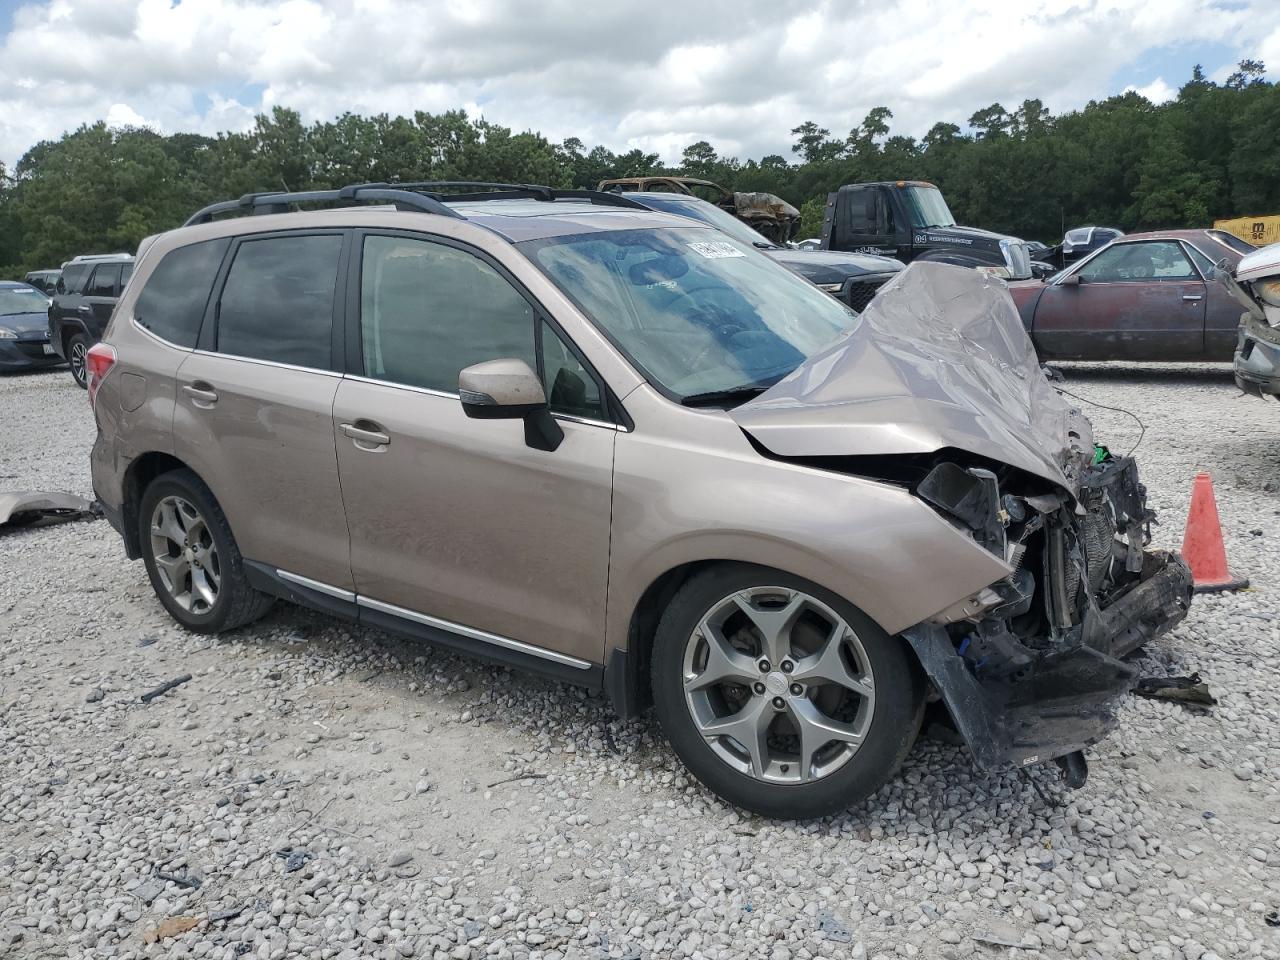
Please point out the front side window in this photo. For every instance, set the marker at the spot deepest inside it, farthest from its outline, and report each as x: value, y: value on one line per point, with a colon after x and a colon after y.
x: 105, y: 282
x: 172, y: 303
x: 73, y: 278
x: 428, y: 310
x: 277, y: 302
x: 1156, y: 260
x: 570, y: 386
x: 697, y: 312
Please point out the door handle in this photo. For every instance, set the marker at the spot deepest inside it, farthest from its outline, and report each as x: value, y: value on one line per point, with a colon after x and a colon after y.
x: 84, y: 308
x: 202, y: 395
x: 1193, y: 296
x: 366, y: 437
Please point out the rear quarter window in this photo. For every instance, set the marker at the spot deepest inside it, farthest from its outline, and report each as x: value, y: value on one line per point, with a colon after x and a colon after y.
x: 172, y: 303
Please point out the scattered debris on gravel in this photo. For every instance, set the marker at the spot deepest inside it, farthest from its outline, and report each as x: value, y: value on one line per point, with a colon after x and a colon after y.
x: 320, y: 790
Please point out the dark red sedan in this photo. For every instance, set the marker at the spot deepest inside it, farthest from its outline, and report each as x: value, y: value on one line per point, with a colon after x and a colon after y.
x: 1145, y: 296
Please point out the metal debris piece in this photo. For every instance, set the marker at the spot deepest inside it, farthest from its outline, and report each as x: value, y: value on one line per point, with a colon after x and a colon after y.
x: 185, y: 880
x: 294, y: 859
x: 1190, y: 691
x: 164, y: 688
x: 218, y: 916
x: 31, y: 507
x: 832, y: 928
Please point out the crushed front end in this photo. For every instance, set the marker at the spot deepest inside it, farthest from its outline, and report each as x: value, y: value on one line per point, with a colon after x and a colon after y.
x: 1030, y: 667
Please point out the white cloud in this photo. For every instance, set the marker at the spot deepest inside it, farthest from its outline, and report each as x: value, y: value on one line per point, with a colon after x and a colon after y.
x: 1157, y: 91
x: 740, y: 73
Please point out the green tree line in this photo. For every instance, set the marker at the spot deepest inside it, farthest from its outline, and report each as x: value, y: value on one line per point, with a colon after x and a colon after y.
x: 1123, y: 162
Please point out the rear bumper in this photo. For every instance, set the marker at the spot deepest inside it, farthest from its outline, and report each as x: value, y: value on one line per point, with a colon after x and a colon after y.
x: 1065, y: 699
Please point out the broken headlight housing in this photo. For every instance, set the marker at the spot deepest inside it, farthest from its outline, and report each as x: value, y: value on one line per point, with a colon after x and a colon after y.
x: 970, y: 496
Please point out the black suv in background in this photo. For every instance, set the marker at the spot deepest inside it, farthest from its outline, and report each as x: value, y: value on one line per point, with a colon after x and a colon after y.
x: 83, y: 299
x: 45, y: 280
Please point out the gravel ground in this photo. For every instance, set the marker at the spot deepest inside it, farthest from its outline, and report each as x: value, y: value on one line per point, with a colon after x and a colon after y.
x: 441, y: 808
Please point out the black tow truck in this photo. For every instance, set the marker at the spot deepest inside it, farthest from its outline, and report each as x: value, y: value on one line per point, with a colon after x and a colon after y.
x: 909, y: 220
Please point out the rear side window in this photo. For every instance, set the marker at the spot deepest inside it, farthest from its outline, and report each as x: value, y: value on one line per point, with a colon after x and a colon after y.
x: 277, y: 302
x: 172, y: 303
x: 428, y: 310
x: 105, y: 282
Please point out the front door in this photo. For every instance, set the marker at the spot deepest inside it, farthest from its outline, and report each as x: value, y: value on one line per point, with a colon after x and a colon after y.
x: 458, y: 522
x: 1134, y: 301
x: 254, y: 412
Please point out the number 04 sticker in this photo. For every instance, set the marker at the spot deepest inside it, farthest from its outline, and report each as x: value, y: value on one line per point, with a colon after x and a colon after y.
x: 715, y: 249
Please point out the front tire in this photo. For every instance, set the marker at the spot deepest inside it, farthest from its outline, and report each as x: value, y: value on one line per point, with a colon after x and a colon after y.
x: 191, y: 557
x: 781, y: 697
x: 77, y: 357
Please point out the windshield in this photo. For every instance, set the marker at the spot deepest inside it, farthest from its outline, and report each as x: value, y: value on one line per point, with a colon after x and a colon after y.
x: 22, y: 300
x: 1232, y: 241
x: 697, y: 312
x: 927, y: 207
x: 712, y: 215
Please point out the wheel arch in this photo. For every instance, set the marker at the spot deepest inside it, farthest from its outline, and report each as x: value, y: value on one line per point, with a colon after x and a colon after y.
x: 626, y: 671
x: 137, y: 477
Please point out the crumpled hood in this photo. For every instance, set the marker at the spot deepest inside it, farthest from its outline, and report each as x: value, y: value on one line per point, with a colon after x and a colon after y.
x: 940, y: 359
x: 821, y: 267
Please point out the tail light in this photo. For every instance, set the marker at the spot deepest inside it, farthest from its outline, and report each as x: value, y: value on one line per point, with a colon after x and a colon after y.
x: 97, y: 364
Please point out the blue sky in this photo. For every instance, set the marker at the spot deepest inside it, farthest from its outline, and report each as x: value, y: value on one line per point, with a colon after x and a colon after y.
x: 739, y: 73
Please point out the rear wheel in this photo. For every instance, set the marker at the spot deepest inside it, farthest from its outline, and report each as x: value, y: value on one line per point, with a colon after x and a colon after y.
x: 191, y: 557
x: 77, y: 354
x: 779, y: 696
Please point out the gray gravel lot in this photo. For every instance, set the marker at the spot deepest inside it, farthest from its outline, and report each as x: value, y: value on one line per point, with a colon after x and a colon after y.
x: 442, y: 808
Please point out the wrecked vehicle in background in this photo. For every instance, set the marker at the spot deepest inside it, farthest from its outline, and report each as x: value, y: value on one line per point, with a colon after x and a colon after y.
x: 763, y: 212
x: 1257, y: 288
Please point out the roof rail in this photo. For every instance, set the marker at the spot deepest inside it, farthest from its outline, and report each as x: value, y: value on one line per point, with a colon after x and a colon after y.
x: 483, y: 190
x: 255, y: 204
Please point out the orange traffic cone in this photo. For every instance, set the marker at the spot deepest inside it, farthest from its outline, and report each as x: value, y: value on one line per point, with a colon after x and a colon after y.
x: 1202, y: 545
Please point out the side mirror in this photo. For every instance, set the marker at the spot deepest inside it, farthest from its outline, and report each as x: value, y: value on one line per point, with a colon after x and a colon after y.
x: 1070, y: 280
x: 508, y: 389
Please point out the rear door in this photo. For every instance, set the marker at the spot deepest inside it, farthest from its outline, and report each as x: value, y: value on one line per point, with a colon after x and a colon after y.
x: 100, y: 298
x: 1134, y: 301
x: 254, y: 415
x: 459, y: 523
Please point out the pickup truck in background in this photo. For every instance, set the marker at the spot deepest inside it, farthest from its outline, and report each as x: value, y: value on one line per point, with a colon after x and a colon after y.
x: 909, y: 220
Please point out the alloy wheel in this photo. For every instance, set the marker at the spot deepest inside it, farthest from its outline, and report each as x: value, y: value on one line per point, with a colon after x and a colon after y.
x: 185, y: 555
x: 778, y: 685
x: 77, y: 359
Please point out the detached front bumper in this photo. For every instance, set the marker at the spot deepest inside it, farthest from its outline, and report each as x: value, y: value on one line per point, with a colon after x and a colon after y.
x: 1257, y: 359
x: 1031, y: 668
x: 1065, y: 699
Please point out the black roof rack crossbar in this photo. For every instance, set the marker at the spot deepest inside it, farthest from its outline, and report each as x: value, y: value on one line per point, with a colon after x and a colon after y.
x: 478, y: 190
x: 263, y: 203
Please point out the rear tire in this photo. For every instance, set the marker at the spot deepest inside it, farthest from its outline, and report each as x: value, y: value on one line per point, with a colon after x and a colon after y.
x: 77, y: 352
x: 191, y: 556
x: 830, y: 706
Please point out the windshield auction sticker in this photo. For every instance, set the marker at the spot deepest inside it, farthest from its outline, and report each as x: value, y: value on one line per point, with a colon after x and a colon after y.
x: 715, y: 249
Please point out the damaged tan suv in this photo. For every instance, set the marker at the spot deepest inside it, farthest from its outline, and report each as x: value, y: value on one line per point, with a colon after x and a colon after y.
x: 572, y: 435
